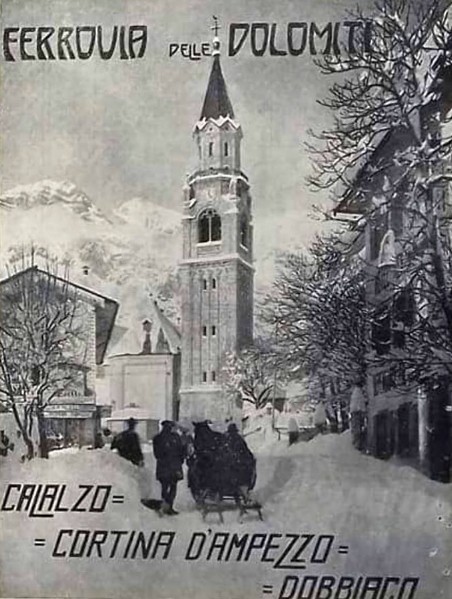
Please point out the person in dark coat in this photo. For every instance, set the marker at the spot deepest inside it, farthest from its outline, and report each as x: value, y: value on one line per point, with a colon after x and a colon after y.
x: 169, y: 452
x: 187, y: 442
x: 98, y: 440
x: 128, y: 444
x: 242, y: 460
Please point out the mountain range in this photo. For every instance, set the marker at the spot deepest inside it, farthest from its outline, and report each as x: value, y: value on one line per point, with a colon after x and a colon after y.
x: 128, y: 254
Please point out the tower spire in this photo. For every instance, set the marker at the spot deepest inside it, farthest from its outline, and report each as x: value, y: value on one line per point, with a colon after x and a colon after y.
x: 217, y: 262
x: 216, y: 101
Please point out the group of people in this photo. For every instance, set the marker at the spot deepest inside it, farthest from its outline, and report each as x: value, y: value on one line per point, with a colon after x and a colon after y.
x: 169, y: 452
x: 172, y: 446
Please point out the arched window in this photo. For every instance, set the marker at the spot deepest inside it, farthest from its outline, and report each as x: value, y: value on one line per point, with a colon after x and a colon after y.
x: 209, y: 227
x: 244, y: 231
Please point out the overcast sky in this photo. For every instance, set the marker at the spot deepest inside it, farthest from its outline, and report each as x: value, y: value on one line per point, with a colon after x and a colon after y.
x: 120, y: 129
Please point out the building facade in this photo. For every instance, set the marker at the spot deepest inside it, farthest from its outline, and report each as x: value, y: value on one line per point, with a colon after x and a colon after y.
x: 216, y: 271
x: 144, y: 384
x: 407, y: 406
x: 73, y: 414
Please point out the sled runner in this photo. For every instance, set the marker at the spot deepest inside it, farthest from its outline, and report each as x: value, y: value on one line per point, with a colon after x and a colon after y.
x: 215, y: 504
x: 152, y: 504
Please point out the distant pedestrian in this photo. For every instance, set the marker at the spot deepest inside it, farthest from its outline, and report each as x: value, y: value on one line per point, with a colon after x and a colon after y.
x: 5, y: 445
x: 98, y: 440
x: 320, y: 420
x: 128, y: 444
x: 293, y: 430
x: 170, y: 453
x: 106, y: 435
x: 358, y: 418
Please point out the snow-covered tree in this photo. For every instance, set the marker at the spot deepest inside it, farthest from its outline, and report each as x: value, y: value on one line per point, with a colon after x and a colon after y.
x: 42, y: 346
x: 318, y: 308
x: 387, y: 156
x: 250, y: 374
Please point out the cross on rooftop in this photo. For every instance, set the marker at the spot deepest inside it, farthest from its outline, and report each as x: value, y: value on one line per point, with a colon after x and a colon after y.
x: 215, y: 27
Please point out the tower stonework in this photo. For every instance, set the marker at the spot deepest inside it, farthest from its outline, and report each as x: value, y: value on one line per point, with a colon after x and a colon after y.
x: 216, y: 271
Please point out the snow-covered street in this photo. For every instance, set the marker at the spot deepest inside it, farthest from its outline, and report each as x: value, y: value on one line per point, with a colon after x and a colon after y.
x: 394, y: 521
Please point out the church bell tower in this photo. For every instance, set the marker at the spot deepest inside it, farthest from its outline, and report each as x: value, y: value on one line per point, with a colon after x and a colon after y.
x: 216, y: 271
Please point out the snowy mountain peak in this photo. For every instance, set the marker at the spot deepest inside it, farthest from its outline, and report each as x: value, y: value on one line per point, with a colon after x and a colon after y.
x: 47, y: 193
x: 145, y: 213
x: 127, y: 256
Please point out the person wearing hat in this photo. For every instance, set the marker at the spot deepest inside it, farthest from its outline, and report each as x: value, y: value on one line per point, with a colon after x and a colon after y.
x: 127, y: 444
x: 169, y: 452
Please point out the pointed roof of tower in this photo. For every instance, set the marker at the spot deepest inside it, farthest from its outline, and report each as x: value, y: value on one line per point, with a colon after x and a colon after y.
x: 170, y: 334
x: 216, y: 103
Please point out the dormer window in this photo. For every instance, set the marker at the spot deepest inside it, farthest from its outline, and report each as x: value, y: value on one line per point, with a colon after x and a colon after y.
x: 209, y: 227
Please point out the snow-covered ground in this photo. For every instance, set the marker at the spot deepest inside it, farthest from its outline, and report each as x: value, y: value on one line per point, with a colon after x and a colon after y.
x: 394, y: 521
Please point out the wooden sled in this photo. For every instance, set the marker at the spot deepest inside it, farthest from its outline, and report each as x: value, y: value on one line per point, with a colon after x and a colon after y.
x: 209, y: 503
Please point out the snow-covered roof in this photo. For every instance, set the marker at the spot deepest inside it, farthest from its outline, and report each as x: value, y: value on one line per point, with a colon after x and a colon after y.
x: 171, y: 333
x: 165, y: 336
x: 106, y: 308
x: 435, y: 79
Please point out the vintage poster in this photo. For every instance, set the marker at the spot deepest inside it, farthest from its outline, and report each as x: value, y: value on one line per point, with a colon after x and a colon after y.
x: 226, y: 299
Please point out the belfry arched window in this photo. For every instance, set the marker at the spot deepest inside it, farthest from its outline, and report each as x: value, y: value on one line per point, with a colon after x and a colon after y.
x: 209, y: 227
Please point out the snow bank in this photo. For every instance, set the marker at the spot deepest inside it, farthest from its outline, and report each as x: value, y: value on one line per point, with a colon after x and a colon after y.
x: 75, y: 466
x: 393, y: 521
